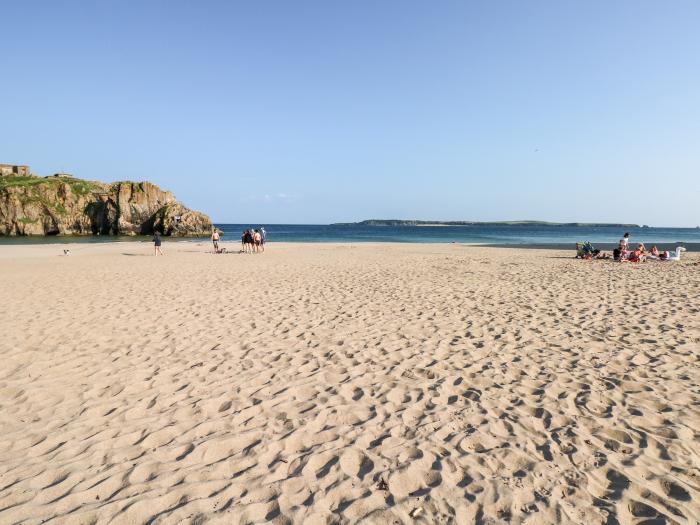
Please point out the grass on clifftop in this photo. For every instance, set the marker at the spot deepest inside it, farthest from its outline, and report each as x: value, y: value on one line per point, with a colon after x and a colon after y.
x: 43, y: 191
x: 77, y: 186
x: 19, y: 181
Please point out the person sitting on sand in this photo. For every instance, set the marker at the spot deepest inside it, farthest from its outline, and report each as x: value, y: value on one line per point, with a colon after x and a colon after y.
x: 637, y: 256
x: 215, y: 240
x: 653, y: 253
x: 156, y: 244
x: 640, y: 254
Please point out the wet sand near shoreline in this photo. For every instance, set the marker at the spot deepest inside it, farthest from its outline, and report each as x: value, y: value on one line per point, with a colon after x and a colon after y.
x: 344, y: 383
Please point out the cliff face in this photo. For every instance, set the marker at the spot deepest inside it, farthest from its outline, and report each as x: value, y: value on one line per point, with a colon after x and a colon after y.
x: 65, y: 205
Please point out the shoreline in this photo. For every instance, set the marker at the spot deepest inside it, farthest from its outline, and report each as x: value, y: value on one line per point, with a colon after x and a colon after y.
x: 561, y: 246
x: 276, y: 250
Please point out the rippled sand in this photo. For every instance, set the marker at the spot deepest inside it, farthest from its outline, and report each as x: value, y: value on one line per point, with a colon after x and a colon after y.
x: 341, y: 383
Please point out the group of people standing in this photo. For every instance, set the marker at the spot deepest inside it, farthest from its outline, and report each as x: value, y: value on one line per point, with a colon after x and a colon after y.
x: 252, y: 241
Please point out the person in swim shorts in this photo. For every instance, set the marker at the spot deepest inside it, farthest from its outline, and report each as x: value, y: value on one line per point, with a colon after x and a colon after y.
x: 257, y: 240
x: 215, y: 240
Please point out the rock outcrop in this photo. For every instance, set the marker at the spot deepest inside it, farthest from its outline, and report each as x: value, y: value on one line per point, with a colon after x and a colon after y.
x: 64, y: 205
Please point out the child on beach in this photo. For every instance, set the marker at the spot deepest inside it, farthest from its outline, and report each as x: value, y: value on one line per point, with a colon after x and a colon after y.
x: 625, y: 242
x: 623, y: 247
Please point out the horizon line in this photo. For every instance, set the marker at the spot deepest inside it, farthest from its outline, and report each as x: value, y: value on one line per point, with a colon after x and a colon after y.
x: 503, y: 222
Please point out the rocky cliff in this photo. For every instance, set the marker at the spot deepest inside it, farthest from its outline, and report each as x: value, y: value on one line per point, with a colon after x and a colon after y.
x: 64, y: 205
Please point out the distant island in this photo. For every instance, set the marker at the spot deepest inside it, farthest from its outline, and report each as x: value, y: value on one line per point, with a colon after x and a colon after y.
x: 399, y: 222
x: 62, y: 204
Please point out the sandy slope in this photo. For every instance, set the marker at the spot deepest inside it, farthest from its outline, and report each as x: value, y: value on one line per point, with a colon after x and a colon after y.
x: 336, y: 383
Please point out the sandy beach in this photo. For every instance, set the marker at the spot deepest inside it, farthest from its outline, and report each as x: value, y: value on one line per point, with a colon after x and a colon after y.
x: 330, y: 383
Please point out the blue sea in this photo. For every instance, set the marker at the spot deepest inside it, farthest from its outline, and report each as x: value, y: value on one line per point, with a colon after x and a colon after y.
x: 477, y: 234
x: 519, y: 235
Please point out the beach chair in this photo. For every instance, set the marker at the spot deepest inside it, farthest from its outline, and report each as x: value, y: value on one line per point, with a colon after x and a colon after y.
x: 585, y: 250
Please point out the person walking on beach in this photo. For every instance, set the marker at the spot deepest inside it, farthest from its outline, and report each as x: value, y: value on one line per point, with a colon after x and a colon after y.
x: 263, y: 236
x: 156, y: 244
x: 215, y: 240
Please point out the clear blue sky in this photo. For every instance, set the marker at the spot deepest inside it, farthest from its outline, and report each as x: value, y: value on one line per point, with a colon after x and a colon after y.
x: 324, y: 111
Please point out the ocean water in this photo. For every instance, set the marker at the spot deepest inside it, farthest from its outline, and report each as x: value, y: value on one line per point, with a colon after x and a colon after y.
x: 478, y: 234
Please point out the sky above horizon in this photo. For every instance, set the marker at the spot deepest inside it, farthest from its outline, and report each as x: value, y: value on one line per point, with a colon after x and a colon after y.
x: 316, y: 112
